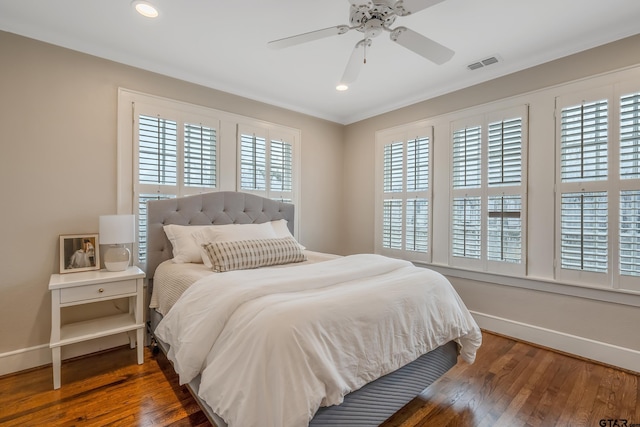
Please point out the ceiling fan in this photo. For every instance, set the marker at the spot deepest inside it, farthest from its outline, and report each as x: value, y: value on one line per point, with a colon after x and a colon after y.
x: 372, y: 17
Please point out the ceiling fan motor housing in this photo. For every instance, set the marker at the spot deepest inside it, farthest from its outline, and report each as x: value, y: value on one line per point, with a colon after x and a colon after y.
x: 373, y: 28
x: 372, y: 20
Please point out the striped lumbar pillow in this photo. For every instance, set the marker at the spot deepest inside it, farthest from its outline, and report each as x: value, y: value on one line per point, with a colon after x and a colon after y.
x: 245, y: 254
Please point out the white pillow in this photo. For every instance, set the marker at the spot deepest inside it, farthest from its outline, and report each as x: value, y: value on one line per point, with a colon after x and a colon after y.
x: 229, y: 233
x: 185, y: 248
x: 282, y: 231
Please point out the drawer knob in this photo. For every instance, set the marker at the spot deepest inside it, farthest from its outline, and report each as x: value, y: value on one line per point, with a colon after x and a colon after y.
x: 101, y: 290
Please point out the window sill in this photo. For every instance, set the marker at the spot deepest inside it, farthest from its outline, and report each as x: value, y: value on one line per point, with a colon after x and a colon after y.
x: 616, y: 296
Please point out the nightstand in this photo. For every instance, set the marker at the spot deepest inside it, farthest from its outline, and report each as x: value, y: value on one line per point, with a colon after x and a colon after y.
x: 88, y: 287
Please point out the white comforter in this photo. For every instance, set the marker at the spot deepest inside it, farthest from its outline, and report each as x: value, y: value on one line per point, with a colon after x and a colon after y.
x: 273, y: 345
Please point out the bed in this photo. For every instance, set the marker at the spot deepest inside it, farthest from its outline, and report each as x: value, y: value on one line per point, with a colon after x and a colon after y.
x: 242, y: 370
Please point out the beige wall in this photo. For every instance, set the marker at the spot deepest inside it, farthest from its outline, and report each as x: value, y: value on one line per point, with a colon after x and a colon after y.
x: 58, y: 166
x: 58, y: 174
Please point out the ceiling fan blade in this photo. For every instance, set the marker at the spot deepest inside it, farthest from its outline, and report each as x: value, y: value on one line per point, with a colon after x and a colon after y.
x: 356, y: 61
x: 406, y: 7
x: 423, y: 46
x: 307, y: 37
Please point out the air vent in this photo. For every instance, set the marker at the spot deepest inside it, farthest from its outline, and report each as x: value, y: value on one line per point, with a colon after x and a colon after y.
x: 482, y: 63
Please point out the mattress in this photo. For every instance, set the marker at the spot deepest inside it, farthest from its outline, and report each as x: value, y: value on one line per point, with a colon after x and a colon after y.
x: 171, y: 279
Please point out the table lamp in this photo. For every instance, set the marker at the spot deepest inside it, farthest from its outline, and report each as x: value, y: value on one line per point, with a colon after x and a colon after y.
x: 117, y: 230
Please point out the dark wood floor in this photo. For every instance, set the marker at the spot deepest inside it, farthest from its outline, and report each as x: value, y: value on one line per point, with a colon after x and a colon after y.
x: 511, y: 384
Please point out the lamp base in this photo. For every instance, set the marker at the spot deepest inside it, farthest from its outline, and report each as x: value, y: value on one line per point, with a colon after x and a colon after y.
x: 117, y: 258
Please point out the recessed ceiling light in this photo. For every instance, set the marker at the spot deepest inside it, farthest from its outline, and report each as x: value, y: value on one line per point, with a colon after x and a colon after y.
x: 342, y: 87
x: 145, y: 8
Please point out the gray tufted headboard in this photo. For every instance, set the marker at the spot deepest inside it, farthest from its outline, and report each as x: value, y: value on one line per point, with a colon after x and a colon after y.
x: 223, y: 207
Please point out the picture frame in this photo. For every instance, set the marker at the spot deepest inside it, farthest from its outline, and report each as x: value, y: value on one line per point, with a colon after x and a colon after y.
x: 79, y: 252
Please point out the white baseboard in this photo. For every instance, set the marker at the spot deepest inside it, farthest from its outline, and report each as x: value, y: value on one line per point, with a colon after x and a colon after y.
x: 40, y: 355
x: 609, y: 354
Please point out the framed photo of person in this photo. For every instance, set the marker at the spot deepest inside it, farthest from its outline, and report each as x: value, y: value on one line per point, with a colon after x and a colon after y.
x: 79, y: 252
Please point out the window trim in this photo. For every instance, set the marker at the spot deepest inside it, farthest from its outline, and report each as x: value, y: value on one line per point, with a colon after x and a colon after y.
x: 541, y: 213
x: 227, y: 158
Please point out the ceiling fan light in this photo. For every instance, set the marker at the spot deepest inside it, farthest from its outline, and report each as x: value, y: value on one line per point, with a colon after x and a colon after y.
x: 145, y: 9
x: 342, y: 87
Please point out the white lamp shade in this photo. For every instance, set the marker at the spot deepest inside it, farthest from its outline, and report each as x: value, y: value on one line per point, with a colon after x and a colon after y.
x: 117, y: 229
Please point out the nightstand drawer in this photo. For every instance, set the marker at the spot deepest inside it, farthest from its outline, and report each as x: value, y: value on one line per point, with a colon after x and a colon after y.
x: 102, y: 290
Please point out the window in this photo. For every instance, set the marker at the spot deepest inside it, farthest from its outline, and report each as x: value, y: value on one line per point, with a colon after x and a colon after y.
x: 266, y: 162
x: 488, y: 185
x: 629, y: 217
x: 169, y: 149
x: 466, y: 224
x: 404, y: 194
x: 599, y: 189
x: 177, y: 156
x: 466, y: 216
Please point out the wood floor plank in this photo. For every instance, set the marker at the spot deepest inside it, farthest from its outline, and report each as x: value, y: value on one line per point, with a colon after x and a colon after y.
x: 516, y: 380
x: 610, y: 402
x: 511, y: 384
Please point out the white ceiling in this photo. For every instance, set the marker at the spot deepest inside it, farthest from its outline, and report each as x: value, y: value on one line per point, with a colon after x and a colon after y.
x: 223, y: 44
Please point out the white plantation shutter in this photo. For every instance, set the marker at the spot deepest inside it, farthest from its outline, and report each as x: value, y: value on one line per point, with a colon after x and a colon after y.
x: 466, y: 226
x: 504, y: 229
x: 417, y: 209
x: 417, y: 225
x: 157, y: 151
x: 630, y: 233
x: 584, y: 139
x: 505, y: 152
x: 583, y: 196
x: 199, y: 156
x: 393, y: 173
x: 418, y: 164
x: 629, y: 215
x: 599, y: 190
x: 467, y: 146
x: 630, y: 136
x: 393, y: 167
x: 504, y: 175
x: 176, y: 155
x: 488, y: 191
x: 266, y: 159
x: 142, y: 220
x: 466, y: 213
x: 281, y: 166
x: 253, y: 162
x: 404, y: 193
x: 584, y: 230
x: 392, y: 224
x: 157, y: 167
